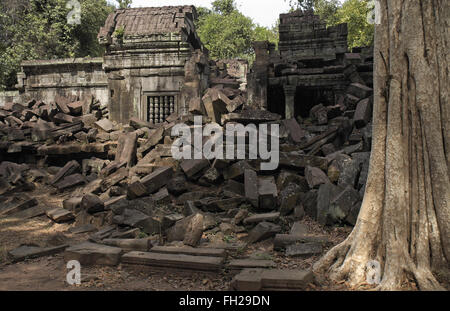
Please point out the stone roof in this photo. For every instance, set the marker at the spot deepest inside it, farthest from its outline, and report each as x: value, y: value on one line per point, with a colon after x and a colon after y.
x: 144, y: 22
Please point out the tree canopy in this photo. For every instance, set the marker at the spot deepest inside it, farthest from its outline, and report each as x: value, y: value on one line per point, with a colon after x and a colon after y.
x: 36, y: 29
x: 227, y: 33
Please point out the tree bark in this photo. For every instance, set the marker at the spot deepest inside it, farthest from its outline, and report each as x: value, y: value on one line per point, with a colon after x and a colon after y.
x: 404, y: 222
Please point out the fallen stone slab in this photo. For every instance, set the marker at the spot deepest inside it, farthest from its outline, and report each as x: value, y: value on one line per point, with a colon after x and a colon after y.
x: 251, y: 187
x: 29, y: 213
x: 176, y: 261
x: 282, y: 241
x: 363, y: 113
x: 237, y: 170
x: 102, y: 233
x: 270, y: 279
x: 315, y: 177
x: 70, y: 182
x: 239, y: 264
x: 299, y: 228
x: 28, y: 203
x: 296, y: 133
x: 304, y: 250
x: 208, y: 252
x: 83, y: 229
x: 30, y: 252
x: 157, y: 179
x: 89, y: 254
x: 115, y: 178
x: 299, y: 161
x: 143, y: 245
x: 192, y: 167
x: 359, y: 90
x: 60, y: 215
x: 267, y: 193
x: 72, y: 204
x: 289, y: 198
x: 263, y: 231
x: 127, y: 148
x: 68, y: 169
x: 257, y: 218
x: 104, y: 125
x: 136, y: 190
x: 92, y: 204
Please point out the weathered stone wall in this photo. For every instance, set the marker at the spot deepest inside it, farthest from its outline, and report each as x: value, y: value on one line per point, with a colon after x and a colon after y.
x: 8, y: 97
x: 45, y: 79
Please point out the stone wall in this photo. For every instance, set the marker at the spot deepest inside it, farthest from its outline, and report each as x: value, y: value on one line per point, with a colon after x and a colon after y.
x: 46, y: 79
x: 8, y: 97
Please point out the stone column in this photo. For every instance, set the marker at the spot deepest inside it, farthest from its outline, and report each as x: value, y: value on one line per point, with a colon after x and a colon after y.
x: 289, y: 94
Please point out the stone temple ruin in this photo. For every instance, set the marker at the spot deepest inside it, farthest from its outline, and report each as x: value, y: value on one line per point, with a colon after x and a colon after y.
x: 96, y: 133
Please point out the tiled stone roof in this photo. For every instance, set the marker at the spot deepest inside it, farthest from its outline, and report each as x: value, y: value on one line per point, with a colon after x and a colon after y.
x: 143, y: 22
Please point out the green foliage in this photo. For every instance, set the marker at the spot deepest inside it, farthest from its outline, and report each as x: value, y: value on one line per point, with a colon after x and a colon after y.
x: 37, y: 29
x: 124, y: 4
x: 224, y: 7
x: 227, y: 33
x: 119, y: 33
x: 302, y: 4
x: 354, y: 13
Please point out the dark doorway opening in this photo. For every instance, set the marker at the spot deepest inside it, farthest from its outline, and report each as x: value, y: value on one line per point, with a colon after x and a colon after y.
x: 307, y: 97
x: 276, y: 100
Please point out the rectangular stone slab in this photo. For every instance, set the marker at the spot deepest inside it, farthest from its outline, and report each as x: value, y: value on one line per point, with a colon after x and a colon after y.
x: 209, y: 252
x: 29, y: 252
x: 268, y: 279
x: 282, y: 241
x: 130, y: 244
x: 239, y: 264
x: 89, y: 254
x: 19, y: 207
x: 177, y: 261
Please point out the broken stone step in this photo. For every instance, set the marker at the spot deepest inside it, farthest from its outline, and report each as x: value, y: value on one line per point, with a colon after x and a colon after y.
x: 263, y: 279
x: 304, y: 250
x: 240, y: 264
x: 143, y: 245
x: 208, y: 252
x: 282, y: 241
x: 60, y: 215
x: 30, y: 252
x: 89, y: 254
x: 177, y: 261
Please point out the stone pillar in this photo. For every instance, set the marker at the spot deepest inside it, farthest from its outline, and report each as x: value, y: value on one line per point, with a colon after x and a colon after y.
x: 259, y: 76
x: 289, y: 94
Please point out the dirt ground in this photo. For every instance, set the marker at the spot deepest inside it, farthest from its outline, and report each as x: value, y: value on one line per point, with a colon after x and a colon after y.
x: 49, y: 273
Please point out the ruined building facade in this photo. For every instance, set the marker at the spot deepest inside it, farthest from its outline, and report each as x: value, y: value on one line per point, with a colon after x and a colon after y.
x: 149, y: 69
x: 155, y: 65
x: 311, y: 66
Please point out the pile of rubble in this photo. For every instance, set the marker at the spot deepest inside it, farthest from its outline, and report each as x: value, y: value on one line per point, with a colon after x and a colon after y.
x: 123, y: 184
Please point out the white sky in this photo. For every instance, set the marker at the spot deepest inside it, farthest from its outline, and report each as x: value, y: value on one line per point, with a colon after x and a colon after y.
x: 263, y: 12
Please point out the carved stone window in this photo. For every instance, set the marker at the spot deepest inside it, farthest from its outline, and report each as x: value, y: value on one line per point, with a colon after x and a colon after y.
x: 159, y: 107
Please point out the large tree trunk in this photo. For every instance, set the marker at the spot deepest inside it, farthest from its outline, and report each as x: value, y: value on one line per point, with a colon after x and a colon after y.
x: 404, y: 222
